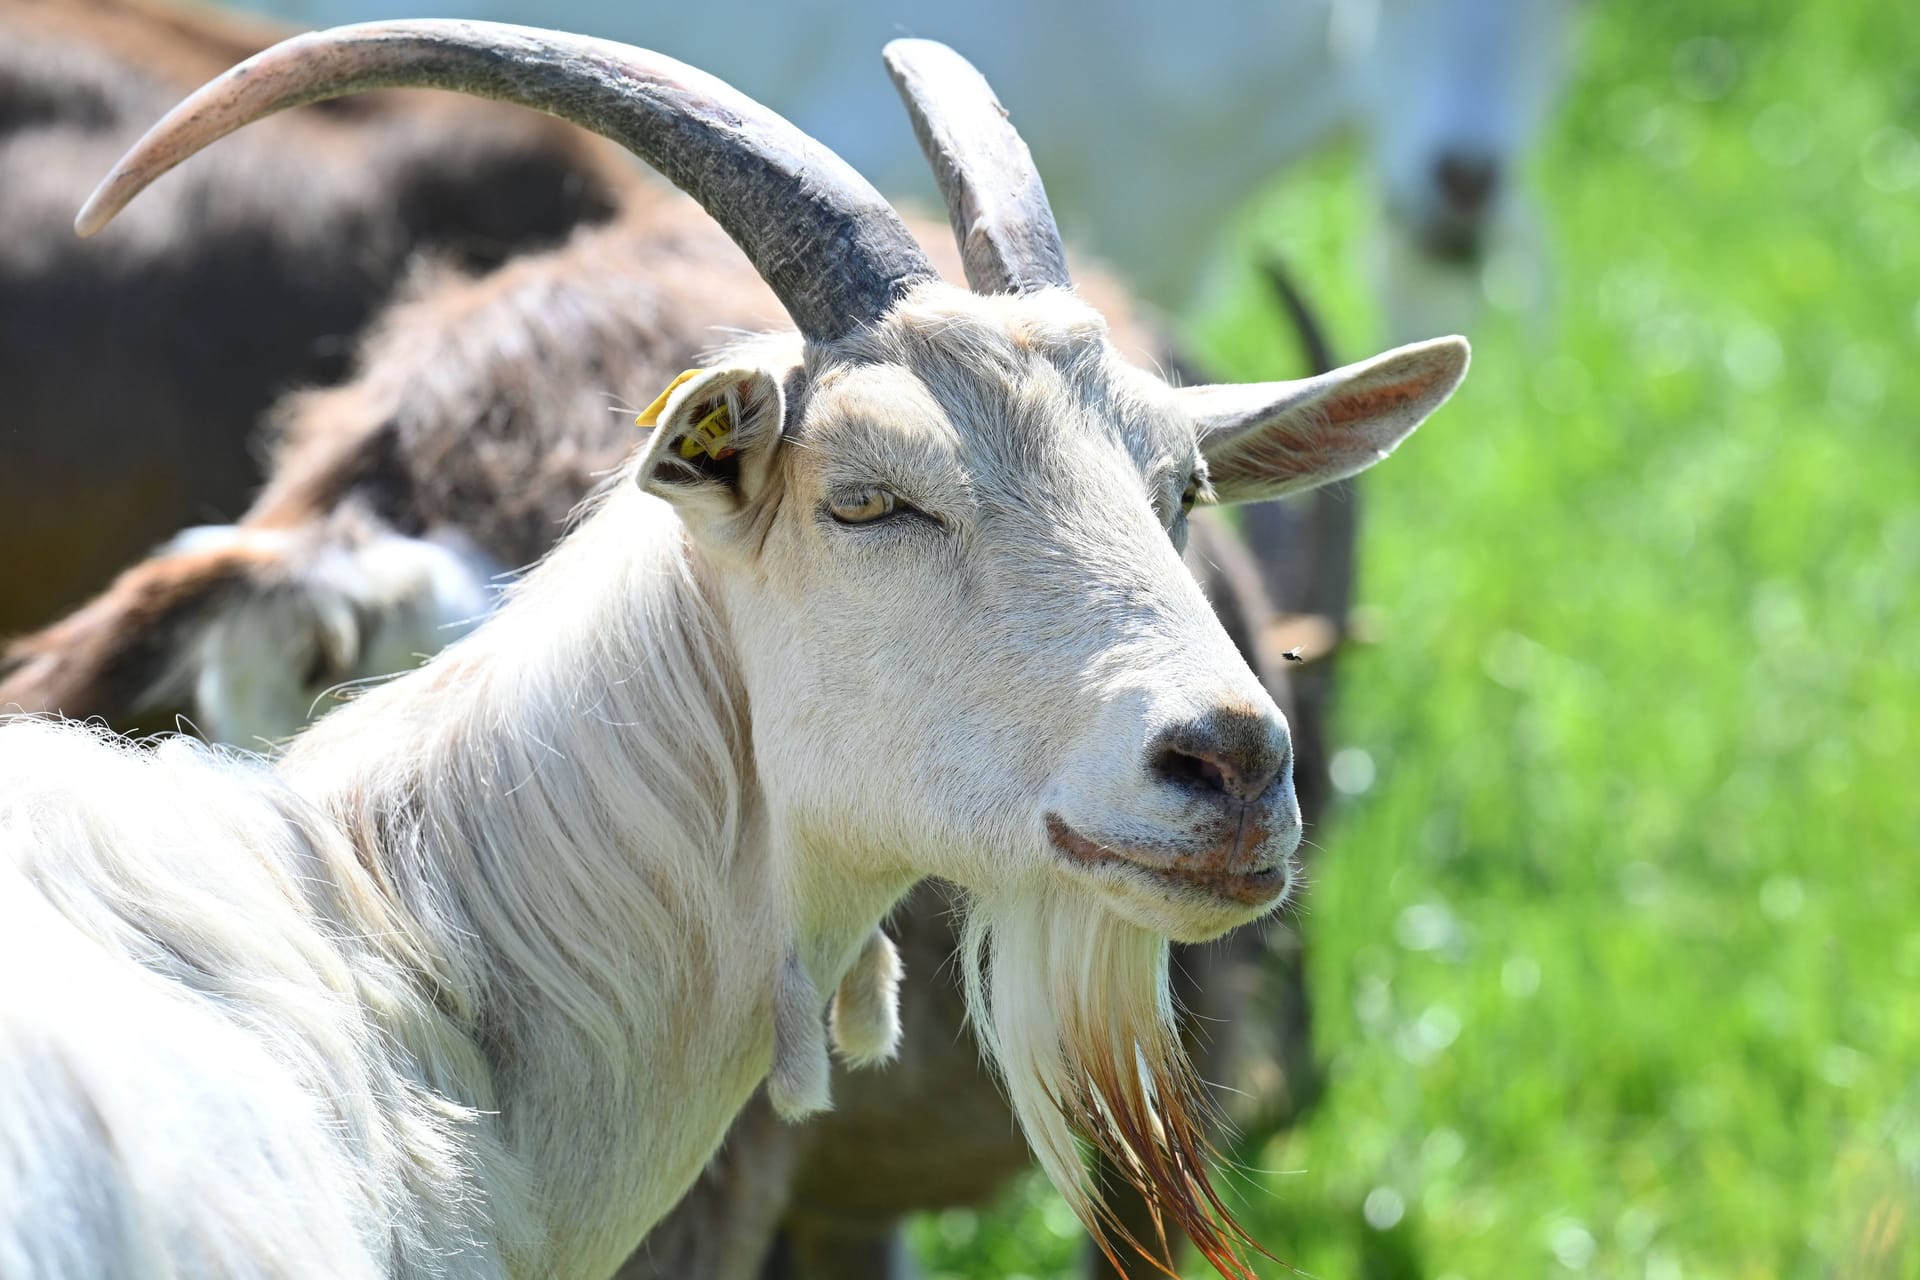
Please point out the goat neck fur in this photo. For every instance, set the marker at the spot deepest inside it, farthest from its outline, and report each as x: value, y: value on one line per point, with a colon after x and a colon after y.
x: 639, y: 952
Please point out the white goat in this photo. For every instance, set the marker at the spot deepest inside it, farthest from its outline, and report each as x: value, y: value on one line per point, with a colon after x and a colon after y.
x: 473, y: 980
x: 1155, y: 123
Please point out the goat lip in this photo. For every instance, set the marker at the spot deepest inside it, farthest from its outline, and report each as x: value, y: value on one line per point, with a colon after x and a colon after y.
x: 1210, y: 873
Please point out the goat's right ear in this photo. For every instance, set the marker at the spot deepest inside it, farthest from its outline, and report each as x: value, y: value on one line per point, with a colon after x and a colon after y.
x: 714, y: 435
x: 1264, y: 440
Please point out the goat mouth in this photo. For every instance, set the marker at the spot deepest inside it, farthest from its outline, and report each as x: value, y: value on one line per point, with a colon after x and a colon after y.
x: 1213, y: 873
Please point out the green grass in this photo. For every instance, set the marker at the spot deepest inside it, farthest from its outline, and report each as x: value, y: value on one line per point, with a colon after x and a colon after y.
x: 1618, y: 960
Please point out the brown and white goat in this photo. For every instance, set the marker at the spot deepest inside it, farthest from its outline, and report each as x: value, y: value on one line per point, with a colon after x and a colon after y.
x: 574, y: 887
x: 241, y: 278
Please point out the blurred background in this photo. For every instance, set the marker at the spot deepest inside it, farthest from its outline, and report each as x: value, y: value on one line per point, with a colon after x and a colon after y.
x: 1617, y: 950
x: 1617, y: 924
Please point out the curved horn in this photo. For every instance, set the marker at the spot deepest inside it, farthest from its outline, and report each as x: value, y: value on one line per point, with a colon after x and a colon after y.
x: 832, y: 249
x: 994, y: 197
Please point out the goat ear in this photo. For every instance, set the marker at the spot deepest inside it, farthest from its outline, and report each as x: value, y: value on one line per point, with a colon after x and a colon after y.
x: 1266, y: 439
x: 714, y: 433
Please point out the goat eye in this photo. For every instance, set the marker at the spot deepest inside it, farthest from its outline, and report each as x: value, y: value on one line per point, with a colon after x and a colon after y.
x: 864, y: 506
x: 1190, y: 495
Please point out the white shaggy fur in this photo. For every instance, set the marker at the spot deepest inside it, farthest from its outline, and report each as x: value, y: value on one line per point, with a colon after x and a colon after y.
x: 441, y: 994
x: 203, y: 1081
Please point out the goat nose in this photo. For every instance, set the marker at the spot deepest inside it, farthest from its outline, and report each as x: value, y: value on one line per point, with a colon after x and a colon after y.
x: 1466, y: 179
x: 1236, y: 754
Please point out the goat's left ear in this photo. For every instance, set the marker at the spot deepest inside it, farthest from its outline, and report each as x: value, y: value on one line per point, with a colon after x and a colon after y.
x: 1263, y: 440
x: 714, y: 436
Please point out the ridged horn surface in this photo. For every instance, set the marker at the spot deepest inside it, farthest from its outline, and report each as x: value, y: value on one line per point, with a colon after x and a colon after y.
x: 833, y: 250
x: 994, y: 196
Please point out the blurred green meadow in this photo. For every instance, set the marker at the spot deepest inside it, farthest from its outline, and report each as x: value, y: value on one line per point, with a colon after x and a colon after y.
x: 1616, y: 940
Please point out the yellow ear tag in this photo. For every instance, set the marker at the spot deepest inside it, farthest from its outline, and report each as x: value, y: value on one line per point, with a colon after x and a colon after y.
x: 710, y: 435
x: 650, y: 416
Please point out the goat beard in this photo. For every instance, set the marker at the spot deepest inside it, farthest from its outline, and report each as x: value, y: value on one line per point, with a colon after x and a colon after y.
x: 1074, y: 1007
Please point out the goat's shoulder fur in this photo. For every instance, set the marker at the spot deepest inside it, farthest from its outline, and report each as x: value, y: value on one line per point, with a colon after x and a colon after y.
x: 443, y: 963
x: 248, y: 987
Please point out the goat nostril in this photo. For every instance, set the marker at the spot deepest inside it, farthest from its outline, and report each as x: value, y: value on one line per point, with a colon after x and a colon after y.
x: 1233, y: 753
x: 1183, y: 768
x: 1241, y: 777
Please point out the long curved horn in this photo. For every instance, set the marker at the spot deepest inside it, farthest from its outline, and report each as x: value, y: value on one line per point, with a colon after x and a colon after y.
x: 832, y: 249
x: 994, y: 197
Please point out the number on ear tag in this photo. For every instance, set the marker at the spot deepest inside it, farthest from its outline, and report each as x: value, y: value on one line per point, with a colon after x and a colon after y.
x: 710, y: 436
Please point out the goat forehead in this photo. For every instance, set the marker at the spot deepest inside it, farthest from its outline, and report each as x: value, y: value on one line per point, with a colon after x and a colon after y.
x: 1013, y: 406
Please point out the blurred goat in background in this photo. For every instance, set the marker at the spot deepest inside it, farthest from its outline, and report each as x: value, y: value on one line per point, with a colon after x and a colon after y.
x: 1155, y: 123
x: 245, y: 276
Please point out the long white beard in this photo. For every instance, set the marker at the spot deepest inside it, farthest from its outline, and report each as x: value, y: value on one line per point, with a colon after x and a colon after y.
x: 1074, y: 1007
